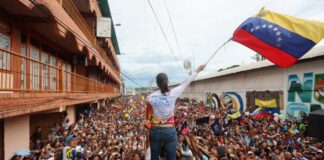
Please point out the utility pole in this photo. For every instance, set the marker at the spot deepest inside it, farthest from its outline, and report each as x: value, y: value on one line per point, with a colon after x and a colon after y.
x: 193, y: 60
x: 151, y: 85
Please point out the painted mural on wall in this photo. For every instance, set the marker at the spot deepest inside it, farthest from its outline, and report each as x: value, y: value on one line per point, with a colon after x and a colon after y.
x: 304, y: 94
x: 226, y: 99
x: 233, y: 99
x: 319, y: 88
x: 213, y: 100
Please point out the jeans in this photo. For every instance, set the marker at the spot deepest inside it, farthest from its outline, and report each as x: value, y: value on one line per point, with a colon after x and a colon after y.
x: 166, y: 137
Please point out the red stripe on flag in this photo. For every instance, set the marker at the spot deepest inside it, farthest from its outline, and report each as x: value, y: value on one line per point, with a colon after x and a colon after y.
x: 263, y: 114
x: 273, y: 54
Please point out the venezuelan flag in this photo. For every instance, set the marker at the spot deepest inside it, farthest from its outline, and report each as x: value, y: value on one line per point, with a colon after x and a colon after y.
x: 280, y: 38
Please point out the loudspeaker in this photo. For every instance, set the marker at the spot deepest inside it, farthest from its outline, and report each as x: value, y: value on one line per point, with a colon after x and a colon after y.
x: 315, y: 107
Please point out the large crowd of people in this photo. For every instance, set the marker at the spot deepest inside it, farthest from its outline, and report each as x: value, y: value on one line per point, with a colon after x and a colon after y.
x: 117, y: 132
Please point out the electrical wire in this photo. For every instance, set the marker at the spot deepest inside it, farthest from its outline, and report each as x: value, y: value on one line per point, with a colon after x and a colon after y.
x: 129, y: 75
x: 126, y: 76
x: 164, y: 35
x: 173, y: 30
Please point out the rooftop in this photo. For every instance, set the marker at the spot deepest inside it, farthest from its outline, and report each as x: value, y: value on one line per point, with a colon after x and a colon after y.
x: 313, y: 53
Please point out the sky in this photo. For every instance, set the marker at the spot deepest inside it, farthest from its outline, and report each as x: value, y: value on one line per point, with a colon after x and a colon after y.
x: 201, y: 26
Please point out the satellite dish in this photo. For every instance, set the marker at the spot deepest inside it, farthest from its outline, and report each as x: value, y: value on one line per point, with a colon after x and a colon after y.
x: 187, y: 64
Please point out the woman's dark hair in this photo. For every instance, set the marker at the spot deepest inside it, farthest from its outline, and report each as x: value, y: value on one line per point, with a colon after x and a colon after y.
x: 162, y: 82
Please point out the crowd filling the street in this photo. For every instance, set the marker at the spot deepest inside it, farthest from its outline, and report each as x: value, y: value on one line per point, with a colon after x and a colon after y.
x: 118, y: 131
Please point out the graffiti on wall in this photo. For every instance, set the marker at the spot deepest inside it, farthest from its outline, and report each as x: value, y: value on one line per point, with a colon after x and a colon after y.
x: 213, y: 100
x: 305, y: 94
x: 319, y: 88
x: 226, y: 99
x: 233, y: 99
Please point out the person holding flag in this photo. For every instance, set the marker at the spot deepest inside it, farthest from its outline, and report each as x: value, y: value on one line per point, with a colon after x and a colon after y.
x: 161, y: 118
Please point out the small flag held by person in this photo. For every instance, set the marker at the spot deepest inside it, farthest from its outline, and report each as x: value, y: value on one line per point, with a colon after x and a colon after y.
x: 203, y: 120
x: 237, y: 116
x: 280, y: 38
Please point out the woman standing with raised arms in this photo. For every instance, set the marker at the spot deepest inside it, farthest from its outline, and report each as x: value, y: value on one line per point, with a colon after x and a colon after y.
x: 163, y: 132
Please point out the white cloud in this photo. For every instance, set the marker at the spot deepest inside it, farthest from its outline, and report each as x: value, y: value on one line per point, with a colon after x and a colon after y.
x: 201, y: 26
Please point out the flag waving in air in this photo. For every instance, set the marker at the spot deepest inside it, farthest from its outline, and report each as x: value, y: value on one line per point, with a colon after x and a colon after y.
x: 280, y: 38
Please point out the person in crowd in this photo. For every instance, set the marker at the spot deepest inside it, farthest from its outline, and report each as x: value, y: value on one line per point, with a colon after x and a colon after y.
x: 106, y: 134
x: 36, y: 138
x: 71, y: 151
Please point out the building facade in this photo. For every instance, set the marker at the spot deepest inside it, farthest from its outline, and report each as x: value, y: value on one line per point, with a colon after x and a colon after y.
x: 130, y: 91
x: 52, y: 62
x: 296, y: 89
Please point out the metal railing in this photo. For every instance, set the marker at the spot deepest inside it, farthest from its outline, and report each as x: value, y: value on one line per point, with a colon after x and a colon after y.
x: 75, y: 15
x: 20, y: 73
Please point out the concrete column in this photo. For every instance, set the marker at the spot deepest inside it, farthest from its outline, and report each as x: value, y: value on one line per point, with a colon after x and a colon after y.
x: 71, y: 111
x: 16, y: 134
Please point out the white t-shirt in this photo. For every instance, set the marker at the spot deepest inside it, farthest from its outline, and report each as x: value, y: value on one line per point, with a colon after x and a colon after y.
x: 164, y: 105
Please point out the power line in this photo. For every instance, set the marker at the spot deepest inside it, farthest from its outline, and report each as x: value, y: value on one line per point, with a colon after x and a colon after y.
x: 173, y: 30
x: 126, y: 76
x: 165, y: 37
x: 132, y: 80
x: 129, y: 75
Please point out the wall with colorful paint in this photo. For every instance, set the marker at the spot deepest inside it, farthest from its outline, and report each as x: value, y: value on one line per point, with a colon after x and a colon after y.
x: 304, y: 88
x: 231, y: 89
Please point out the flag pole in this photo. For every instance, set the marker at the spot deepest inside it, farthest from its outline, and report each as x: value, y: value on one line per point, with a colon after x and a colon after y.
x: 220, y: 47
x: 224, y: 44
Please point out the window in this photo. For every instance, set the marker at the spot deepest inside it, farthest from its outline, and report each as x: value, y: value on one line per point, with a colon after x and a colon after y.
x: 4, y: 56
x: 63, y: 76
x: 45, y: 71
x: 53, y: 74
x: 68, y: 77
x: 34, y: 68
x: 23, y: 66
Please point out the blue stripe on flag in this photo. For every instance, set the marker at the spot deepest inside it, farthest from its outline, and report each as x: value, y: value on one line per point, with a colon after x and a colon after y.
x: 277, y: 36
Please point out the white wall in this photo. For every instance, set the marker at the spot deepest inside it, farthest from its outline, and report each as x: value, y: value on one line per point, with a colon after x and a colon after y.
x: 271, y: 78
x: 16, y: 134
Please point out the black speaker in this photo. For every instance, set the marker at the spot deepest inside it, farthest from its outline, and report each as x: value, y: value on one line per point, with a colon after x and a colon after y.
x: 315, y: 107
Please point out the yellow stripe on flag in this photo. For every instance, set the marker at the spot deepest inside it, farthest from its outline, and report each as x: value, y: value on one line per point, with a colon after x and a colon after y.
x: 235, y: 115
x: 312, y: 30
x: 266, y: 104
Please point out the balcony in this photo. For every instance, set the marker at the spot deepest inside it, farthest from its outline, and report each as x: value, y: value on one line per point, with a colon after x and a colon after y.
x: 28, y: 85
x: 75, y: 15
x: 22, y: 74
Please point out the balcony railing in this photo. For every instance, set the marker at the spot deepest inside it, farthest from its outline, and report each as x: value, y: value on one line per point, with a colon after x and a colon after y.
x: 19, y: 73
x: 75, y: 15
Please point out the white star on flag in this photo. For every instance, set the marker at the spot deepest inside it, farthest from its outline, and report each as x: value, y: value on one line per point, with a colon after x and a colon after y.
x: 275, y: 29
x: 270, y: 26
x: 278, y: 33
x: 264, y: 26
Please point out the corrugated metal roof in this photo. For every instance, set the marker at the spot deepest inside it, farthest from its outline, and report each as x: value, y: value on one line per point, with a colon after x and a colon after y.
x: 315, y: 52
